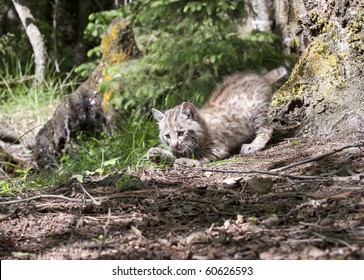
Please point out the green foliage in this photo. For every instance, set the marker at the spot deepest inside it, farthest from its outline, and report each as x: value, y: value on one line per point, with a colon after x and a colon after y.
x: 98, y: 23
x: 18, y: 89
x: 25, y: 106
x: 94, y: 31
x: 188, y: 46
x: 24, y: 179
x: 4, y: 42
x: 100, y: 155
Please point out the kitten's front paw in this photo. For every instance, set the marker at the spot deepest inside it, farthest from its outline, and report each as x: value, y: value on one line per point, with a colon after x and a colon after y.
x: 186, y: 162
x: 160, y: 156
x: 249, y: 148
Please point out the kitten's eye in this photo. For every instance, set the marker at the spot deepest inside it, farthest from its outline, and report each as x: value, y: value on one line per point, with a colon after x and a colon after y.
x: 167, y: 136
x: 180, y: 133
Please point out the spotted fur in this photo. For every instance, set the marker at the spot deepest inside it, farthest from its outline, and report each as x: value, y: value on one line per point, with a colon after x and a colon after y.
x: 235, y: 118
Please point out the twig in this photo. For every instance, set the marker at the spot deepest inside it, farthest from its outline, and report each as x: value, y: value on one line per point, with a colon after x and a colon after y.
x: 76, y: 221
x: 358, y: 144
x: 101, y: 198
x: 332, y: 239
x: 88, y: 194
x: 311, y: 203
x: 271, y: 173
x: 44, y: 196
x: 105, y: 232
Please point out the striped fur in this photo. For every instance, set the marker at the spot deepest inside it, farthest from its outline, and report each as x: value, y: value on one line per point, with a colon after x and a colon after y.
x: 235, y: 118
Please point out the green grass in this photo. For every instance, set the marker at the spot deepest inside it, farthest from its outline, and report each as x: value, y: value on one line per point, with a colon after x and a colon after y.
x: 101, y: 154
x: 25, y: 106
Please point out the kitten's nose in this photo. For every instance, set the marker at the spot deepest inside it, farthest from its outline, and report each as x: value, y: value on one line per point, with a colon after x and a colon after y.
x: 175, y: 145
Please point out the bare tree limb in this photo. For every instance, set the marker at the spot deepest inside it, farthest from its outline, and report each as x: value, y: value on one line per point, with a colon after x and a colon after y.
x: 16, y: 81
x: 129, y: 194
x: 271, y: 173
x: 44, y: 196
x: 274, y: 172
x: 355, y: 145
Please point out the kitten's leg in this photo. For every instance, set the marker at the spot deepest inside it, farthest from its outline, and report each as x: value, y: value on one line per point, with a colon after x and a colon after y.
x: 262, y: 138
x: 160, y: 156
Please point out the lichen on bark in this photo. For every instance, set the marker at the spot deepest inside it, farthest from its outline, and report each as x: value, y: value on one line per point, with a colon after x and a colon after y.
x: 328, y: 77
x: 86, y: 108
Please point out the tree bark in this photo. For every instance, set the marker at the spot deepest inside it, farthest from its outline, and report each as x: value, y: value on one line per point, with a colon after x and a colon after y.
x: 258, y: 17
x: 84, y: 10
x: 272, y: 16
x: 35, y: 38
x: 85, y: 109
x: 3, y: 11
x: 325, y: 90
x: 285, y: 23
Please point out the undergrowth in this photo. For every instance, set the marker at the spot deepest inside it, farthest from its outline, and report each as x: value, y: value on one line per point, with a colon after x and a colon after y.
x: 102, y: 154
x: 187, y: 48
x: 25, y: 106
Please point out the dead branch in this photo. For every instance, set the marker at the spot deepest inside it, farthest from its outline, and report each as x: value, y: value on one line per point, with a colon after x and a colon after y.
x: 355, y: 145
x: 88, y: 194
x: 271, y: 173
x: 37, y: 197
x: 15, y: 152
x: 130, y: 194
x: 333, y: 239
x: 274, y: 172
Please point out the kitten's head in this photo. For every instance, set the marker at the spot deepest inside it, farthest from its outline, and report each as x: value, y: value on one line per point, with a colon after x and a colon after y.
x: 180, y: 129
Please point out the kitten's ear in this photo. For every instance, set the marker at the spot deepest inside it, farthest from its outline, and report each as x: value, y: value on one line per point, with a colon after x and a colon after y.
x: 189, y: 110
x: 159, y: 116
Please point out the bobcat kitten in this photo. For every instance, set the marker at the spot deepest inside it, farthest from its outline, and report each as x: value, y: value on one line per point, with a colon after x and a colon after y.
x: 235, y: 114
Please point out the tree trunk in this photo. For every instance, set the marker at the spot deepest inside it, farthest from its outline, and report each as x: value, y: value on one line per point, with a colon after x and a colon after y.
x: 285, y: 23
x: 325, y: 90
x: 84, y: 10
x: 3, y: 10
x: 85, y: 109
x: 35, y: 38
x: 258, y: 17
x: 272, y: 16
x: 54, y: 35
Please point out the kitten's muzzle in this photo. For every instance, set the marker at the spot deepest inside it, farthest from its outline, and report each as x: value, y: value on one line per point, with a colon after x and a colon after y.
x: 178, y: 147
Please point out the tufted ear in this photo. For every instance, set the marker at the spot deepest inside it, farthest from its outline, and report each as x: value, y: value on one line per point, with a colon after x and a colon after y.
x: 159, y: 116
x: 189, y: 110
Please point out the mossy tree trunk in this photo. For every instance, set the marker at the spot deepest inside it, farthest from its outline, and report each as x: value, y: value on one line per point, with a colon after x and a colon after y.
x: 325, y: 91
x: 85, y: 109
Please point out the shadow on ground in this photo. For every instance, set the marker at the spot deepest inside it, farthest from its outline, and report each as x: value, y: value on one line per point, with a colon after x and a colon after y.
x: 195, y: 214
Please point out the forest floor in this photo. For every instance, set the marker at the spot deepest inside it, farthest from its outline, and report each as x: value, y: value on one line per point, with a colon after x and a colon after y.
x: 314, y: 210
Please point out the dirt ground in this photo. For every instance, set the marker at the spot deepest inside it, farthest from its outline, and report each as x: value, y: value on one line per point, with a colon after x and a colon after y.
x: 314, y: 210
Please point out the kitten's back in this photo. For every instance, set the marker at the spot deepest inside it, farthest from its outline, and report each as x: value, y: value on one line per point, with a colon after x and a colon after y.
x: 245, y: 86
x: 238, y: 109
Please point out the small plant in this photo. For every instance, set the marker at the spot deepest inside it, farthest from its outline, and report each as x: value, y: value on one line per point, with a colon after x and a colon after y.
x: 25, y: 107
x: 99, y: 155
